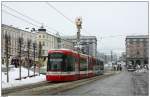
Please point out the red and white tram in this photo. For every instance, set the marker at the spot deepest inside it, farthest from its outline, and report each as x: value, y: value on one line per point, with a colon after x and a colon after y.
x: 68, y: 65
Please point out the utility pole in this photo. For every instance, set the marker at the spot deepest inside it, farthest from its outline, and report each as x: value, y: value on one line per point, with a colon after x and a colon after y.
x: 105, y: 58
x: 111, y: 56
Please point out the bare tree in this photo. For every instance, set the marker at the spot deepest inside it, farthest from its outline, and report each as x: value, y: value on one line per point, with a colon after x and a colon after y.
x: 20, y: 45
x: 7, y: 52
x: 40, y: 56
x: 28, y: 54
x: 34, y: 51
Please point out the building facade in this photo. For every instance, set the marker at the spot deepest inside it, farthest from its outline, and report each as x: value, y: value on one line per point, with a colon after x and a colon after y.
x: 137, y: 50
x: 14, y: 34
x: 88, y: 44
x: 66, y: 44
x: 47, y: 41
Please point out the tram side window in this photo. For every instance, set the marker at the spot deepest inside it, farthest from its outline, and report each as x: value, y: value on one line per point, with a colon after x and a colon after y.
x: 69, y: 64
x: 83, y: 64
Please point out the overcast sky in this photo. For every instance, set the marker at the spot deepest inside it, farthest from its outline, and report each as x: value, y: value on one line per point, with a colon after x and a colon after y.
x: 110, y: 22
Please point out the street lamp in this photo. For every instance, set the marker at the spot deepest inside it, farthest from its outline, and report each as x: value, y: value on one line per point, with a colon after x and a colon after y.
x: 78, y: 22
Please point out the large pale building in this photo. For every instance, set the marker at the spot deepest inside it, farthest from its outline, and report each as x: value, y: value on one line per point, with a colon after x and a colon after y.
x: 88, y: 43
x: 14, y: 34
x: 137, y: 49
x: 48, y: 41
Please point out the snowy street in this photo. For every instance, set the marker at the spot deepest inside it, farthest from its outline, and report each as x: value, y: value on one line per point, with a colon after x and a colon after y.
x: 141, y: 83
x: 122, y: 84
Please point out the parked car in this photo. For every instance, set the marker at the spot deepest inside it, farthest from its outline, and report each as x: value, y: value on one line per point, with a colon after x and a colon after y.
x: 131, y: 67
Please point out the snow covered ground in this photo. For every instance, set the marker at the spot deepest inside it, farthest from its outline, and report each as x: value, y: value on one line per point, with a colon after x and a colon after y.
x: 14, y: 74
x: 142, y: 70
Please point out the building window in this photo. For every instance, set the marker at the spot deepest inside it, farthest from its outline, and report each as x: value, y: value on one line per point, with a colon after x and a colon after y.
x: 43, y: 52
x: 39, y: 42
x: 43, y: 43
x: 131, y: 42
x: 128, y: 40
x: 141, y: 40
x: 138, y: 52
x: 39, y: 36
x: 43, y: 36
x: 134, y: 39
x: 138, y: 41
x: 145, y: 44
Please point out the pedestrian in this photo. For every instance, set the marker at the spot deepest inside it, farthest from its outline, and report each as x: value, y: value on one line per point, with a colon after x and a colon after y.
x: 120, y: 67
x: 114, y: 68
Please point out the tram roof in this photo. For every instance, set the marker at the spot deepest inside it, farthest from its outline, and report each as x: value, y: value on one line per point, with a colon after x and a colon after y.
x: 62, y: 49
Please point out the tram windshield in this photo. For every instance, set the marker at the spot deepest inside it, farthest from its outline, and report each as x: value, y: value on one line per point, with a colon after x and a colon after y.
x: 54, y: 61
x: 60, y: 62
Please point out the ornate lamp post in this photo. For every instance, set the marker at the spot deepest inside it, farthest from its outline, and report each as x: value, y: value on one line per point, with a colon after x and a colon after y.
x: 78, y: 22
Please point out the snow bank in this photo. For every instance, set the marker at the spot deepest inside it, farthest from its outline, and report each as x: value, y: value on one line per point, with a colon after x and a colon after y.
x: 141, y: 70
x: 14, y: 74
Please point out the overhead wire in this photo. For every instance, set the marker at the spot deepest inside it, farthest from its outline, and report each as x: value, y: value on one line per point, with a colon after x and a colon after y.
x: 28, y: 18
x: 50, y: 5
x: 40, y: 22
x: 18, y: 17
x: 22, y: 14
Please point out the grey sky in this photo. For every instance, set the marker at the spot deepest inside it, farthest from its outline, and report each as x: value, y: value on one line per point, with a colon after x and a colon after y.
x: 108, y: 20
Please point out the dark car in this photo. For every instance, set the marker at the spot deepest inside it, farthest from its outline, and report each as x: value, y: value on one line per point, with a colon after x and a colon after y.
x: 131, y: 68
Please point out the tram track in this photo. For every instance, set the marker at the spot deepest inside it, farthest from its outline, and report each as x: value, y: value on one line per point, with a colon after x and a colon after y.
x: 50, y: 87
x: 25, y: 87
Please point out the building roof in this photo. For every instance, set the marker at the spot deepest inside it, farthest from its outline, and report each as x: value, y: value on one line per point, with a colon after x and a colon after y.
x: 15, y: 28
x: 137, y: 36
x: 40, y: 29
